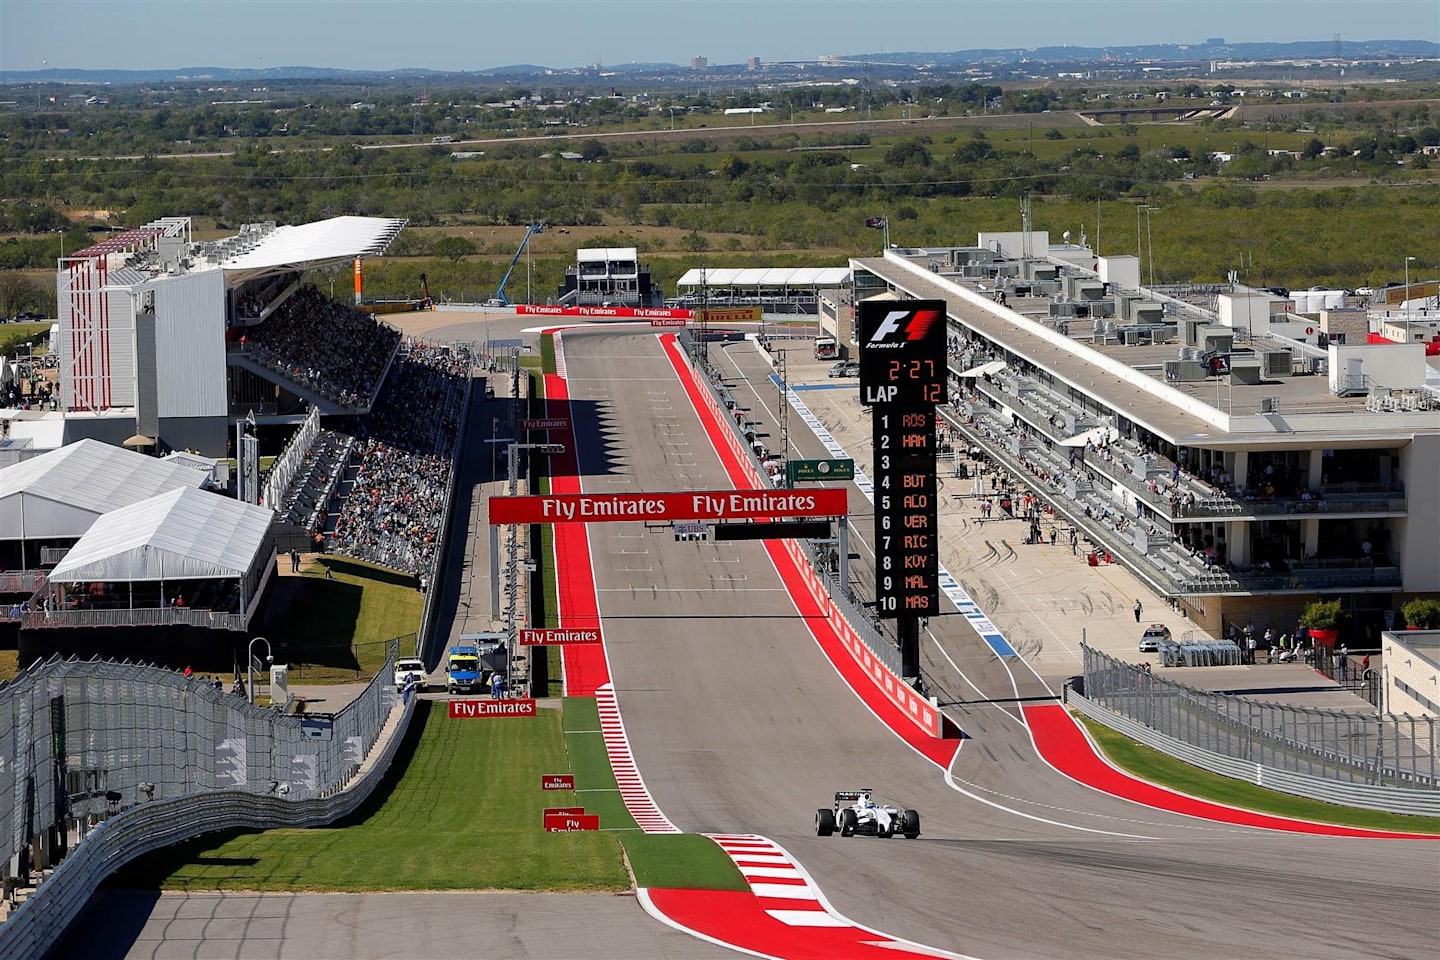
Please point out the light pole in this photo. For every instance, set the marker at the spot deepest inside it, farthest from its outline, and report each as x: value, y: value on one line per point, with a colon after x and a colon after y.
x: 1405, y: 304
x: 672, y: 118
x: 250, y: 665
x: 1150, y: 242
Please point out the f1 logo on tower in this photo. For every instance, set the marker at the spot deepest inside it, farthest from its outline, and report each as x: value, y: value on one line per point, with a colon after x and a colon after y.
x: 913, y: 324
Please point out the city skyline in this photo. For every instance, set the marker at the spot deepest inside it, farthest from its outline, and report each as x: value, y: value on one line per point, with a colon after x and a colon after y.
x: 481, y: 34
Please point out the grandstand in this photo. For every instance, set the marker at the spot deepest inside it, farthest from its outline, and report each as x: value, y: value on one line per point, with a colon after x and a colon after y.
x: 174, y: 339
x: 394, y: 495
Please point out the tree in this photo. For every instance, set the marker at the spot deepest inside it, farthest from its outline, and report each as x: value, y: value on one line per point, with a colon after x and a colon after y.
x: 17, y: 293
x: 454, y: 249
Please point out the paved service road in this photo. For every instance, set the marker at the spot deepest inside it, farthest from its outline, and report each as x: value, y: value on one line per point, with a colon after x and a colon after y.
x: 739, y: 724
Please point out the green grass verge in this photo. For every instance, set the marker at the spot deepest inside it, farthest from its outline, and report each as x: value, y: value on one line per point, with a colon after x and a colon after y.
x: 1157, y: 767
x: 547, y: 353
x: 687, y: 861
x: 333, y: 631
x: 460, y: 809
x: 9, y: 664
x: 14, y: 335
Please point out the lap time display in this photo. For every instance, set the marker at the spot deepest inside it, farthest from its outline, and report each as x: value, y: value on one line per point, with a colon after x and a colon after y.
x: 902, y: 352
x: 902, y: 380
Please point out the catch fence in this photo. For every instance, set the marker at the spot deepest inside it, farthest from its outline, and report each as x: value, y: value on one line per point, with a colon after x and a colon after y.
x: 83, y: 741
x: 1271, y: 740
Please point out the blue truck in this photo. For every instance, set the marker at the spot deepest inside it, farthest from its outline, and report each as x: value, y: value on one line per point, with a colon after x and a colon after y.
x: 462, y: 670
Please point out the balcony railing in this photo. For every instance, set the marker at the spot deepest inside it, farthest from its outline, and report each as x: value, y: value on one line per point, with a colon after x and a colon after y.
x: 141, y: 617
x: 22, y: 581
x: 1233, y: 507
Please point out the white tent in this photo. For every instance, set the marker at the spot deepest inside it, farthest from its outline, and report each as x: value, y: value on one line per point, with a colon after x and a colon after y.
x: 984, y: 369
x: 184, y: 534
x: 1095, y: 435
x: 59, y: 494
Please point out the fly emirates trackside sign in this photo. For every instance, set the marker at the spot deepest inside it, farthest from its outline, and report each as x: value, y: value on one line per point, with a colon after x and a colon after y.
x: 557, y: 636
x: 472, y: 709
x: 706, y: 505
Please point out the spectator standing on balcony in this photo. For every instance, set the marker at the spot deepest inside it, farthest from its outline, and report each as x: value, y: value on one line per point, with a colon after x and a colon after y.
x: 1250, y: 644
x: 1138, y: 608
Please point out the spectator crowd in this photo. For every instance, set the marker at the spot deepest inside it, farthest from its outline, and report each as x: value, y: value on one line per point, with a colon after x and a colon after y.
x: 330, y: 347
x: 403, y: 452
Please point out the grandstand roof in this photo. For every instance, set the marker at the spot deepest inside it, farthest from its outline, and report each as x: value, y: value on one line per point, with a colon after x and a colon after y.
x: 763, y: 277
x: 300, y: 247
x: 183, y: 534
x: 63, y: 492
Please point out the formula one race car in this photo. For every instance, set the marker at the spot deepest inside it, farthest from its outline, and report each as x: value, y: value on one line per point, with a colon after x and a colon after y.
x: 855, y: 811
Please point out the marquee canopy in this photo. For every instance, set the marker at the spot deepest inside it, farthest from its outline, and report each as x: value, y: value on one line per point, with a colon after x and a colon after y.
x: 184, y: 534
x: 60, y: 493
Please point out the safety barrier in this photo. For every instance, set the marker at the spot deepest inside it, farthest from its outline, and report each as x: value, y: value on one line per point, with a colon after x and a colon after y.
x: 1368, y: 795
x: 424, y: 640
x: 1393, y: 756
x: 138, y: 735
x: 37, y: 924
x: 871, y: 652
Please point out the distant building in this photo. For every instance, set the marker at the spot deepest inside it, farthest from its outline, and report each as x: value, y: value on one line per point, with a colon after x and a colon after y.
x: 699, y: 63
x: 752, y: 63
x: 608, y: 277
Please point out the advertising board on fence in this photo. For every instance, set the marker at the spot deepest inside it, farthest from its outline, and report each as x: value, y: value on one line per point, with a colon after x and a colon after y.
x: 604, y: 313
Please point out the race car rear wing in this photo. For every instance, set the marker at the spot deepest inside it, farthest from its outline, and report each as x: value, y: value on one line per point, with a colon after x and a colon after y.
x: 850, y: 796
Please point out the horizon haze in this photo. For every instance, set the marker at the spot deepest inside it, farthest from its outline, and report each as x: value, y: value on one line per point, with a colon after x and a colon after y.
x: 455, y: 35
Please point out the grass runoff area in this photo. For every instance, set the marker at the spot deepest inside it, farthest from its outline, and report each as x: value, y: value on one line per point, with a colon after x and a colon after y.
x: 459, y: 809
x: 338, y: 630
x: 1150, y: 764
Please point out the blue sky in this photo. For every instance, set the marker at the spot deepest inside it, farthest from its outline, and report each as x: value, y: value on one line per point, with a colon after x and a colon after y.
x: 474, y: 34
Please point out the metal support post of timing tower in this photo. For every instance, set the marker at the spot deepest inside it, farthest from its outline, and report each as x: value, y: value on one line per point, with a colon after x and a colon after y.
x: 907, y: 631
x: 843, y: 548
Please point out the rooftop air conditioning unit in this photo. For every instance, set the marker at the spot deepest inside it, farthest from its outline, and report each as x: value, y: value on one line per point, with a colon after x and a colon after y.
x: 1269, y: 404
x: 1278, y: 363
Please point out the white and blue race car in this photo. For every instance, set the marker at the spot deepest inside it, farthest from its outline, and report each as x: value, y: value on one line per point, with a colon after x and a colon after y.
x: 855, y: 811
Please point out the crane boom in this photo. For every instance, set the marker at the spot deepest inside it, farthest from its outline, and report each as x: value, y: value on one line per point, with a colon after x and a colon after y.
x: 530, y: 231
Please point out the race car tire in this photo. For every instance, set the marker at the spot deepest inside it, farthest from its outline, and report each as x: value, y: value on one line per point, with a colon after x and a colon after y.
x: 912, y: 824
x: 824, y: 822
x: 848, y: 822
